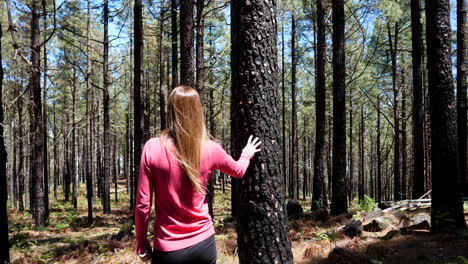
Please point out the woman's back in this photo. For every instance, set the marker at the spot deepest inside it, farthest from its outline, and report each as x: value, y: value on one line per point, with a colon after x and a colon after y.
x: 182, y: 217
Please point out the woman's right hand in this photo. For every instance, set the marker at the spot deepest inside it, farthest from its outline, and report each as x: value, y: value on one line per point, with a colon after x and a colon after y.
x: 252, y: 146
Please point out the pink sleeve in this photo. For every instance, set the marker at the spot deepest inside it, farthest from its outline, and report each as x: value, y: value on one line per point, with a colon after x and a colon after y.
x: 143, y: 202
x: 225, y: 163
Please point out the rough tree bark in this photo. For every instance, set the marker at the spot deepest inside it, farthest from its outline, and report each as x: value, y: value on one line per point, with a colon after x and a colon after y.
x: 418, y: 118
x: 88, y: 138
x: 262, y: 225
x: 447, y: 205
x: 137, y: 111
x: 462, y: 60
x: 339, y: 200
x: 186, y: 43
x: 105, y: 103
x: 37, y: 159
x: 318, y: 190
x: 174, y: 33
x: 5, y: 248
x: 293, y: 157
x: 393, y: 45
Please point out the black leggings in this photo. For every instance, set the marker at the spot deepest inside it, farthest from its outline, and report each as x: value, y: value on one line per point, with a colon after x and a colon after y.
x: 203, y: 252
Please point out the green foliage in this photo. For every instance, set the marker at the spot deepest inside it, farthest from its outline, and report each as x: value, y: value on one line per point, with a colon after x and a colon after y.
x: 61, y: 226
x: 324, y: 235
x: 41, y: 228
x: 367, y: 204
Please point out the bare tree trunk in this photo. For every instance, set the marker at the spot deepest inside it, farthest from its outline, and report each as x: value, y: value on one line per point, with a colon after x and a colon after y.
x: 339, y: 201
x: 5, y: 248
x: 200, y: 61
x: 319, y: 190
x: 74, y: 149
x: 404, y: 140
x: 393, y: 44
x: 186, y: 43
x: 262, y: 225
x: 138, y: 57
x: 379, y: 154
x: 37, y: 124
x: 462, y: 60
x: 293, y: 156
x: 162, y: 74
x: 174, y: 34
x: 418, y: 113
x: 105, y: 103
x: 447, y: 205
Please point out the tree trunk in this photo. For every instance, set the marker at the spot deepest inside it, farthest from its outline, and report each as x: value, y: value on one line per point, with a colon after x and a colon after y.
x: 88, y: 137
x: 379, y: 154
x: 293, y: 156
x: 418, y: 113
x: 393, y: 44
x: 21, y: 160
x: 362, y: 186
x: 105, y: 103
x: 162, y: 74
x: 200, y: 61
x: 318, y: 189
x: 186, y: 43
x: 404, y: 140
x: 351, y: 154
x: 174, y: 33
x: 74, y: 149
x: 262, y: 225
x: 44, y: 114
x: 339, y: 201
x: 37, y: 123
x: 447, y: 205
x: 5, y: 248
x: 462, y: 60
x: 283, y: 108
x: 138, y: 57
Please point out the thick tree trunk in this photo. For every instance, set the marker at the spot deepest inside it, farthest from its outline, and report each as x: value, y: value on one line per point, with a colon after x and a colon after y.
x: 262, y: 225
x: 418, y: 113
x: 5, y: 248
x: 174, y: 33
x: 44, y: 113
x: 447, y: 205
x: 283, y: 109
x: 318, y: 189
x: 37, y: 123
x: 462, y: 60
x: 106, y: 122
x: 138, y: 57
x: 339, y: 201
x: 186, y: 43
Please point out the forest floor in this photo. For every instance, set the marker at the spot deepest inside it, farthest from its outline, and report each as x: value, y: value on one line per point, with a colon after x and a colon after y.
x: 69, y: 239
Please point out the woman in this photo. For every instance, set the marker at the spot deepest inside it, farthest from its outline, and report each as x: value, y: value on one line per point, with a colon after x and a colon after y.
x: 176, y: 167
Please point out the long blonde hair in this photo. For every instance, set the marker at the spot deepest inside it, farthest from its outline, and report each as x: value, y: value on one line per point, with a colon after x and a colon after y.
x: 185, y: 125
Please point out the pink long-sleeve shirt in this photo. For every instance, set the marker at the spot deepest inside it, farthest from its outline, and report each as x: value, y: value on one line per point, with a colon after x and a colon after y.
x: 182, y: 217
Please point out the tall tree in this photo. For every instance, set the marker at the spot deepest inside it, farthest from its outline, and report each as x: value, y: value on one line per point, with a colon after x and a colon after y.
x: 318, y: 190
x: 5, y: 248
x: 447, y: 206
x: 137, y: 111
x: 294, y: 177
x: 339, y: 201
x: 393, y: 44
x: 37, y: 159
x: 186, y: 43
x: 162, y: 74
x: 174, y: 33
x: 418, y: 118
x: 262, y: 225
x: 105, y: 103
x: 88, y: 138
x: 200, y: 60
x: 462, y: 60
